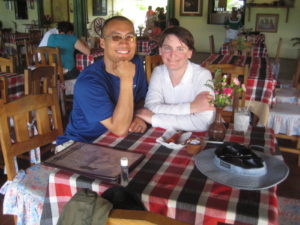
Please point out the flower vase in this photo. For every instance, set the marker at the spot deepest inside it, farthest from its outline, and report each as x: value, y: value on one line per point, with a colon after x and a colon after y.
x: 217, y: 129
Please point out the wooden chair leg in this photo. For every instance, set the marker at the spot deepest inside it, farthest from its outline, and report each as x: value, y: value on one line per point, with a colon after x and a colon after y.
x: 15, y: 219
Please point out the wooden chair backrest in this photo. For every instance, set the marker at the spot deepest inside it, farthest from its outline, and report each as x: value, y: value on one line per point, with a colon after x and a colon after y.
x: 278, y: 50
x: 35, y: 36
x: 296, y: 77
x: 7, y: 65
x: 4, y: 89
x: 40, y: 79
x: 234, y: 71
x: 48, y: 126
x: 151, y: 61
x: 30, y: 49
x: 212, y: 44
x: 136, y: 217
x: 48, y: 56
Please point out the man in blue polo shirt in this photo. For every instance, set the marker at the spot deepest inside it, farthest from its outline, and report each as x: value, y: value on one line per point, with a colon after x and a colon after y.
x: 107, y: 92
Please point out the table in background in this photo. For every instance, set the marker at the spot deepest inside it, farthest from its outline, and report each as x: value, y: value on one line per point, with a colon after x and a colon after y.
x: 260, y: 85
x: 254, y: 38
x: 83, y: 61
x: 13, y: 42
x: 257, y: 50
x: 15, y: 83
x: 146, y: 47
x: 169, y: 183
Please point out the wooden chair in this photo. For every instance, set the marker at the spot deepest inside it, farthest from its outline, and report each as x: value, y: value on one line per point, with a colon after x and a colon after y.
x: 276, y: 59
x: 235, y: 72
x: 40, y: 79
x: 48, y: 56
x: 291, y: 92
x: 35, y: 36
x: 136, y: 217
x: 275, y: 63
x: 4, y: 89
x: 151, y: 61
x: 30, y: 49
x: 48, y: 127
x: 212, y: 44
x: 283, y: 119
x: 7, y: 65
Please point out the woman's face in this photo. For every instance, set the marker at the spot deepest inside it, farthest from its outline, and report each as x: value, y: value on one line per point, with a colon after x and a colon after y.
x: 174, y: 53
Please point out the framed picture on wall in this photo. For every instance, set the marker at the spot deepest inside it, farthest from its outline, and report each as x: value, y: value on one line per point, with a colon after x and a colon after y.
x: 267, y: 22
x: 99, y: 7
x: 190, y: 7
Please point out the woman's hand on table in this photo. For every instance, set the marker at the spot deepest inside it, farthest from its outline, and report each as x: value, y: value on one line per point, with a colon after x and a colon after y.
x: 138, y: 125
x: 145, y: 114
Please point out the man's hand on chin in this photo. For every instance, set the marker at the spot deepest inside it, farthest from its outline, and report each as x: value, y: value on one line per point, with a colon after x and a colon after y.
x: 138, y: 125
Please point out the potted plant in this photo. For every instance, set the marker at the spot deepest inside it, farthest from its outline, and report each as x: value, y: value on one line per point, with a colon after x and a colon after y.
x: 225, y: 90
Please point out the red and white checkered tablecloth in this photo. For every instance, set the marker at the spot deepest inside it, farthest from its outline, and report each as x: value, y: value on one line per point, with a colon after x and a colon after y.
x: 257, y: 50
x: 169, y: 183
x: 261, y: 82
x: 83, y: 61
x: 15, y: 38
x: 15, y: 83
x: 146, y: 47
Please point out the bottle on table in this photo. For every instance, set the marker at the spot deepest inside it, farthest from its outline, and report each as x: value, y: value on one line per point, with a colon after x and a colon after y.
x: 124, y: 171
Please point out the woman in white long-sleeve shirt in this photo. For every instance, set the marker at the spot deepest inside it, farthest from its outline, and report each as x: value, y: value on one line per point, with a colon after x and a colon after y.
x: 177, y: 97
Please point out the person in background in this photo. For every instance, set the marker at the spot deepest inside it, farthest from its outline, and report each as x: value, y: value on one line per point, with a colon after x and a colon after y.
x: 232, y: 26
x: 153, y: 31
x: 162, y: 18
x: 149, y: 13
x: 45, y: 38
x: 107, y: 91
x: 67, y: 42
x: 173, y: 22
x: 178, y: 97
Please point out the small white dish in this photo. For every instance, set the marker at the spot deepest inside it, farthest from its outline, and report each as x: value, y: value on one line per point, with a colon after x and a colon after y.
x: 180, y: 142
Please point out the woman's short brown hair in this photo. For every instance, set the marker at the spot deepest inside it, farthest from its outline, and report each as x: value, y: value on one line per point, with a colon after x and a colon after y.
x: 181, y: 33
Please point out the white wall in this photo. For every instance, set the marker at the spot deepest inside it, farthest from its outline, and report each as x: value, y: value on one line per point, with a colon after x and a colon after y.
x: 7, y: 17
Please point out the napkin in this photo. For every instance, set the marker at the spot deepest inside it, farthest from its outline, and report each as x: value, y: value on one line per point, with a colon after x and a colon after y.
x: 180, y: 142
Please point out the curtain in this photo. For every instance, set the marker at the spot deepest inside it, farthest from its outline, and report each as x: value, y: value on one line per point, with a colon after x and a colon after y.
x: 170, y: 9
x: 40, y: 11
x: 80, y: 17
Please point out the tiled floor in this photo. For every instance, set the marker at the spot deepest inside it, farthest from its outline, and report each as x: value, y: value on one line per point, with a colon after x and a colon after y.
x: 289, y: 188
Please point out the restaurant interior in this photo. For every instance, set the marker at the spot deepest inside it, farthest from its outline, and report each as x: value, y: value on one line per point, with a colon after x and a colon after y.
x: 170, y: 182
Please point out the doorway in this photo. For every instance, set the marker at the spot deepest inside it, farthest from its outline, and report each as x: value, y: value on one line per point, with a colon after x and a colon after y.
x: 136, y: 10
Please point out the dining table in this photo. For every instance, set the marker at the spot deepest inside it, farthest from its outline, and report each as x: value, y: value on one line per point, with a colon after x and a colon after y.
x: 254, y: 37
x: 260, y: 85
x: 83, y: 61
x: 168, y: 182
x: 256, y: 50
x: 15, y: 84
x: 146, y: 46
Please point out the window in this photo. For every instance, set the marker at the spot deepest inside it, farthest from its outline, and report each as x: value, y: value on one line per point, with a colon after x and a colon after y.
x: 21, y: 9
x: 219, y: 10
